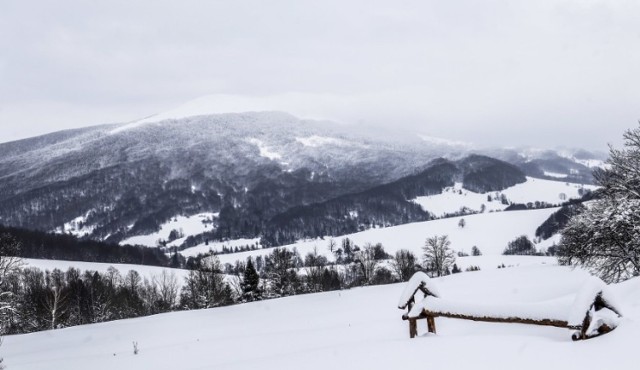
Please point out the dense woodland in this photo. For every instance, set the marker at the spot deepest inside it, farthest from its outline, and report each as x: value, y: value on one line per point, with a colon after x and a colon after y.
x: 37, y: 244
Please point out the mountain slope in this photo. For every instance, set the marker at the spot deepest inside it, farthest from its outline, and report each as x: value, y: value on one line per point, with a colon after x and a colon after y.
x: 253, y: 170
x: 388, y: 204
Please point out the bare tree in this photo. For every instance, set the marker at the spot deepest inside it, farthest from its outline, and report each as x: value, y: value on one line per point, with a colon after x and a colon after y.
x: 132, y: 281
x: 437, y: 256
x: 167, y: 285
x: 365, y: 259
x: 332, y: 245
x: 404, y: 264
x: 314, y: 266
x: 56, y: 305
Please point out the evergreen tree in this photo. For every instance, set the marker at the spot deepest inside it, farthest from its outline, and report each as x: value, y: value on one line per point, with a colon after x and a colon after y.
x: 251, y: 283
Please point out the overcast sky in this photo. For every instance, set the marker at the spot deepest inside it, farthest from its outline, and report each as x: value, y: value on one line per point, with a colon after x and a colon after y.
x: 490, y: 72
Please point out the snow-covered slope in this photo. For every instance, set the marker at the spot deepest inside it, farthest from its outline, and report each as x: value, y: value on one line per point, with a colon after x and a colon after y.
x: 454, y: 198
x: 359, y: 328
x: 183, y: 225
x: 491, y: 232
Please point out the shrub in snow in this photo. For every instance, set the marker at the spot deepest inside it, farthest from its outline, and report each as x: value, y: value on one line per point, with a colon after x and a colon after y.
x: 521, y: 246
x: 605, y: 237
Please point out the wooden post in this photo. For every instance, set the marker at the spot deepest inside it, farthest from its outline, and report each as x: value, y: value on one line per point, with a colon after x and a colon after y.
x: 413, y: 328
x: 431, y: 324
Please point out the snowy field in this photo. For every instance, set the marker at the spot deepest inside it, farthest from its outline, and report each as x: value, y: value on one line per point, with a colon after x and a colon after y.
x: 491, y: 232
x: 191, y: 225
x: 359, y: 328
x: 452, y: 199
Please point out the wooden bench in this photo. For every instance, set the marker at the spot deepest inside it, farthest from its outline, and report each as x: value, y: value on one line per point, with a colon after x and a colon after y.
x: 590, y: 313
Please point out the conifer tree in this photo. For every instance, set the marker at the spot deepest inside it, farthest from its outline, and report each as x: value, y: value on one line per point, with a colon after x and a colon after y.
x: 251, y: 283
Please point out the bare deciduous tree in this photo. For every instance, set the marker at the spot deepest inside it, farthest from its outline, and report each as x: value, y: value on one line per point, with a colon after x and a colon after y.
x: 167, y: 285
x: 437, y: 256
x: 365, y: 258
x: 404, y: 264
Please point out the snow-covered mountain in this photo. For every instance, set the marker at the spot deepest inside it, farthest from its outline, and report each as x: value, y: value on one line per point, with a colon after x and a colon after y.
x: 248, y: 171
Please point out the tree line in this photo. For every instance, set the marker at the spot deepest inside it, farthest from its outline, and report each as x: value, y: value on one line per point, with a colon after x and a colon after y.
x: 41, y: 300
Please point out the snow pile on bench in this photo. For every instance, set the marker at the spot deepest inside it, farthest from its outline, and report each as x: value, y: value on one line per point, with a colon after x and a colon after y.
x: 555, y: 309
x: 419, y: 281
x: 592, y: 311
x: 595, y: 301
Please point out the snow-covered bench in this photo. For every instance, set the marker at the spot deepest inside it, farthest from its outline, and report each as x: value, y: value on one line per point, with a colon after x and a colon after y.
x: 590, y: 312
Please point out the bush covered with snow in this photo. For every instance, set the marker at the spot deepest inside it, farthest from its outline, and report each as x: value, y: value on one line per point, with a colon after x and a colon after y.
x: 605, y: 238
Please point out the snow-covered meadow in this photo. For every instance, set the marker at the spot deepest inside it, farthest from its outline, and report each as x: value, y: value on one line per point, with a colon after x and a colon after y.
x: 358, y: 328
x: 185, y: 225
x: 454, y: 198
x: 490, y: 232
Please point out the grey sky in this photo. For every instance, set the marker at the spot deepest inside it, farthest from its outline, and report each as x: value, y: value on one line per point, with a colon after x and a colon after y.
x: 490, y: 72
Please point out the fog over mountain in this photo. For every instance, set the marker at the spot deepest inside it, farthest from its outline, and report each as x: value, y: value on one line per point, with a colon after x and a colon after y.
x: 504, y: 72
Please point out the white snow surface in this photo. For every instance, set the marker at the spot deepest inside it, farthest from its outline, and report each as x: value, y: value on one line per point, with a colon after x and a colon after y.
x: 217, y: 246
x: 189, y: 225
x: 555, y: 174
x: 360, y: 327
x: 556, y: 309
x: 315, y: 141
x: 452, y: 199
x: 76, y: 227
x: 265, y: 151
x: 570, y: 308
x: 418, y: 279
x: 490, y: 232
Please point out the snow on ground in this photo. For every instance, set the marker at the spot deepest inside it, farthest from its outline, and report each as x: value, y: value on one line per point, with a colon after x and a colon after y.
x: 532, y: 190
x: 76, y: 227
x: 593, y: 163
x: 217, y: 246
x: 315, y: 141
x: 555, y: 174
x: 358, y: 328
x: 188, y: 225
x: 145, y: 271
x: 491, y: 232
x: 265, y: 151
